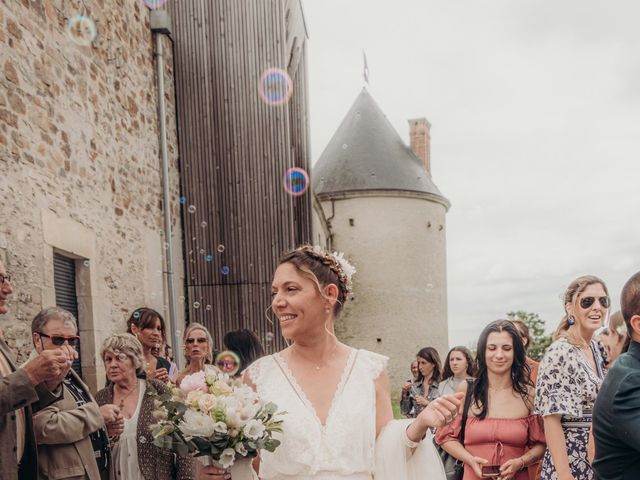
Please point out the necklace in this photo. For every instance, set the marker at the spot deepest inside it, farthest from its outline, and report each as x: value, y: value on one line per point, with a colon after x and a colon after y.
x: 317, y: 366
x: 500, y: 389
x: 121, y: 405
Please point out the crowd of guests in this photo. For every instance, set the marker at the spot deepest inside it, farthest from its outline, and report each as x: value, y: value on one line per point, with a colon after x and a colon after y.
x: 525, y: 421
x: 575, y: 416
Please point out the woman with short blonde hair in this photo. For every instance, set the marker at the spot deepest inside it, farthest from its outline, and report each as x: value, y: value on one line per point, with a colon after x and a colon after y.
x: 198, y: 350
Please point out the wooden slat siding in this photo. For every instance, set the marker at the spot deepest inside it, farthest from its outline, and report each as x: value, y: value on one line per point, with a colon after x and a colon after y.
x: 234, y: 152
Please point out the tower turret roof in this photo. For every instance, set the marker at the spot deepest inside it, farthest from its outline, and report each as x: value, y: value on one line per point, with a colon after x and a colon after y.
x: 367, y: 154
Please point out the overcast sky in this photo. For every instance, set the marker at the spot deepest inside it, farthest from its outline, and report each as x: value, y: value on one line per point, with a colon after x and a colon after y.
x: 535, y: 107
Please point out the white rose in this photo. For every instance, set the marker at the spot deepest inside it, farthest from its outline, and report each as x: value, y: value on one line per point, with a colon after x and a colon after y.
x: 193, y: 397
x: 207, y: 402
x: 196, y: 424
x: 233, y: 419
x: 254, y: 429
x: 227, y: 457
x: 220, y: 388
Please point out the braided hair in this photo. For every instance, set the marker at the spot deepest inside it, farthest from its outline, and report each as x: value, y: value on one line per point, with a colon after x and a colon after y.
x: 323, y: 269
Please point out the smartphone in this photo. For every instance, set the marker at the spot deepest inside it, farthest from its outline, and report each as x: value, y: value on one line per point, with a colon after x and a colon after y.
x: 490, y: 471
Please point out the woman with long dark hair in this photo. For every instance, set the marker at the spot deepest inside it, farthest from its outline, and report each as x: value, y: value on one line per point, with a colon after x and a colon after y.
x: 148, y: 327
x: 425, y: 389
x: 246, y: 345
x: 457, y: 367
x: 499, y: 424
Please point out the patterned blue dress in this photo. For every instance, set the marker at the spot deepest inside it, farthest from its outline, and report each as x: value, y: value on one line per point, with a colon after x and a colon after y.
x: 567, y: 385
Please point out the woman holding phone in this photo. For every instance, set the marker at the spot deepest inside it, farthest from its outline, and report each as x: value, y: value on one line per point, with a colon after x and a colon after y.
x: 148, y: 327
x: 499, y: 423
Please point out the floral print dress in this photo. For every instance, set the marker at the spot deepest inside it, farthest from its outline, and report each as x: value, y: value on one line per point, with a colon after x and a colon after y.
x: 567, y: 385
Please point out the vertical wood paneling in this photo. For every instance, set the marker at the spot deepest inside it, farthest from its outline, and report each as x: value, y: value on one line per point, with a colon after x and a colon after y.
x: 234, y: 152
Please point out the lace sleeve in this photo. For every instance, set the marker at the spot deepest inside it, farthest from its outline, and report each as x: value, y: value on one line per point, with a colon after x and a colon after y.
x: 253, y: 372
x: 376, y: 362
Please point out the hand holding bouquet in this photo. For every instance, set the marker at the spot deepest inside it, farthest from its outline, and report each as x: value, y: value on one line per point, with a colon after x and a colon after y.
x: 215, y: 415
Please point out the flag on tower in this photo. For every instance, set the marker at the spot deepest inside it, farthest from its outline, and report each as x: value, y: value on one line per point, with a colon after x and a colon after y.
x: 365, y: 72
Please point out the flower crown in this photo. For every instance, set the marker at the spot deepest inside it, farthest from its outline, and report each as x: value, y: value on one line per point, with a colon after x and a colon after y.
x: 335, y: 261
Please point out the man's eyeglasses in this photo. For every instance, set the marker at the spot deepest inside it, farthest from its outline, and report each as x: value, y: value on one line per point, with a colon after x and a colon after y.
x: 191, y: 341
x: 58, y: 340
x: 586, y: 302
x: 4, y: 279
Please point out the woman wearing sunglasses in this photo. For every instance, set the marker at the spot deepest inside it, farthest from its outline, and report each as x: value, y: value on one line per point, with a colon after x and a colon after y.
x: 198, y: 350
x: 569, y: 378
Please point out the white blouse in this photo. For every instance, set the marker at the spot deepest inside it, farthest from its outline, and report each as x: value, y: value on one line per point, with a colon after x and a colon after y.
x: 125, y: 452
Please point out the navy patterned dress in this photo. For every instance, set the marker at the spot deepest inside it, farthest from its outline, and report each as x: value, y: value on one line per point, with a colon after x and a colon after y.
x: 567, y: 385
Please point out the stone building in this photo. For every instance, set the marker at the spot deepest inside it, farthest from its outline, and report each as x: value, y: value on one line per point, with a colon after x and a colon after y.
x: 82, y: 213
x: 80, y: 175
x: 379, y: 205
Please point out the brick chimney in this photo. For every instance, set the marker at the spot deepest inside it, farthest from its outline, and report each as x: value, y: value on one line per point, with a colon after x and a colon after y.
x: 421, y: 141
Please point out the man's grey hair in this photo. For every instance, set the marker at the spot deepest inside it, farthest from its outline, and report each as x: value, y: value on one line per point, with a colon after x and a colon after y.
x: 43, y: 317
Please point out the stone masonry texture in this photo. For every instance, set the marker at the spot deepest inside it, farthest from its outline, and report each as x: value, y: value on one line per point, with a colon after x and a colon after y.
x: 79, y: 139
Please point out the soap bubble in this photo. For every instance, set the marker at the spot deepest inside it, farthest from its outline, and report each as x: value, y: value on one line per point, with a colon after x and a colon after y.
x: 191, y: 209
x: 220, y: 248
x: 196, y: 305
x: 296, y: 181
x: 275, y: 87
x: 81, y: 30
x: 228, y: 362
x: 225, y: 270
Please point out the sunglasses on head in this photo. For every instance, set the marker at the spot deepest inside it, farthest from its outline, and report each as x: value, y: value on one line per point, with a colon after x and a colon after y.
x: 191, y: 341
x: 58, y: 340
x: 586, y: 302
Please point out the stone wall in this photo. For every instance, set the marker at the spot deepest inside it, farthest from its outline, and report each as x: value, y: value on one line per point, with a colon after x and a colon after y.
x: 399, y: 304
x: 80, y: 169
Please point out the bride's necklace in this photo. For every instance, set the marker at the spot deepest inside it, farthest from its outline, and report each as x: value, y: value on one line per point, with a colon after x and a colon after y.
x: 316, y: 366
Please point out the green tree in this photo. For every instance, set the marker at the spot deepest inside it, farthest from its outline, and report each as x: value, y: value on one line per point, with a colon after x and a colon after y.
x: 539, y: 339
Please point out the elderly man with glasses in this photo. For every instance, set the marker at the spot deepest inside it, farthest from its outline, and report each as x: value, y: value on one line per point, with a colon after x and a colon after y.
x: 71, y: 433
x: 20, y: 388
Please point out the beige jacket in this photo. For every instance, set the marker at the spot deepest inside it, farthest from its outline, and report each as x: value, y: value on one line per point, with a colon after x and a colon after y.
x: 62, y: 433
x: 17, y: 391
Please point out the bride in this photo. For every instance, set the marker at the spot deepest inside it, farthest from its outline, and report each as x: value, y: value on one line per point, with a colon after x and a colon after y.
x: 339, y: 422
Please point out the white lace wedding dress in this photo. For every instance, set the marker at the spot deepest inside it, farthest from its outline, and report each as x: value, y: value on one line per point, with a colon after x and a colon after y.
x: 346, y: 446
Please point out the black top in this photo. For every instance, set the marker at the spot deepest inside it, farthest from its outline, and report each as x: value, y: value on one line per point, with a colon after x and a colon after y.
x: 163, y: 363
x: 616, y: 420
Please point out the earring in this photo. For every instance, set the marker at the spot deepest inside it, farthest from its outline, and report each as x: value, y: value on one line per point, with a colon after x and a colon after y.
x: 571, y: 320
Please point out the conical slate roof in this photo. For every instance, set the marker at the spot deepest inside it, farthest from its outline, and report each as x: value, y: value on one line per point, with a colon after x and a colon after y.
x: 366, y: 154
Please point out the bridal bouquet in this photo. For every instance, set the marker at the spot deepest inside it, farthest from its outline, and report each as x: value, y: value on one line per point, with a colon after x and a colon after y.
x: 213, y: 415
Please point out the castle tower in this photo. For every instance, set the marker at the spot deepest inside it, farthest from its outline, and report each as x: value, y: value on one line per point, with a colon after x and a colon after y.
x: 387, y: 215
